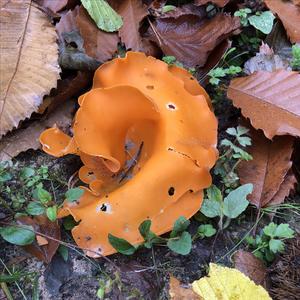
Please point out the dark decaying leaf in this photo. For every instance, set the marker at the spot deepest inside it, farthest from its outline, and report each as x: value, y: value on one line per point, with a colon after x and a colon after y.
x: 251, y: 266
x: 57, y: 5
x: 265, y: 60
x: 271, y: 100
x: 220, y: 3
x: 132, y: 12
x: 191, y: 38
x: 28, y: 138
x: 268, y: 170
x: 289, y: 14
x: 42, y: 225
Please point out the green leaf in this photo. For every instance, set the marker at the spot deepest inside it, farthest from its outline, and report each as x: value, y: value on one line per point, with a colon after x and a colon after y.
x: 263, y: 22
x: 103, y: 15
x: 270, y: 229
x: 214, y: 81
x: 64, y: 252
x: 180, y: 225
x: 51, y: 213
x: 213, y: 193
x: 5, y: 176
x: 101, y: 293
x: 236, y: 202
x: 35, y: 208
x: 43, y: 195
x: 169, y: 59
x: 121, y: 245
x: 167, y: 8
x: 27, y: 172
x: 17, y: 235
x: 284, y: 231
x: 183, y: 245
x: 69, y: 223
x: 276, y: 245
x: 74, y: 194
x: 211, y: 208
x: 206, y: 230
x: 144, y: 229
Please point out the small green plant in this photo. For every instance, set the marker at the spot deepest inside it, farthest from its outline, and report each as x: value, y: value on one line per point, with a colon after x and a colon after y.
x: 230, y: 208
x: 171, y: 60
x: 179, y: 241
x: 217, y: 73
x: 232, y: 154
x: 270, y: 241
x: 243, y: 15
x: 295, y: 63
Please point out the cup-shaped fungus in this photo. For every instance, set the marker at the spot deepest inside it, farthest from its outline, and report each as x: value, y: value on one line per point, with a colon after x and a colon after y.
x: 147, y: 137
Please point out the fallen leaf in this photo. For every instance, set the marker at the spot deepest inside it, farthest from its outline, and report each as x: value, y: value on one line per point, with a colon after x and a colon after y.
x: 41, y: 224
x: 289, y: 14
x: 191, y: 38
x: 57, y: 5
x: 28, y: 66
x: 28, y: 138
x: 220, y: 3
x: 227, y: 283
x: 98, y: 44
x: 296, y: 2
x: 271, y: 100
x: 265, y: 60
x: 103, y: 14
x: 41, y: 240
x: 177, y: 292
x: 251, y: 266
x: 132, y: 12
x: 269, y: 167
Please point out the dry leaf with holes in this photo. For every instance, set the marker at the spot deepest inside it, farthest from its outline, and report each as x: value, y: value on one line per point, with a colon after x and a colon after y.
x: 28, y: 66
x: 251, y: 266
x: 289, y: 14
x: 271, y: 100
x: 268, y: 169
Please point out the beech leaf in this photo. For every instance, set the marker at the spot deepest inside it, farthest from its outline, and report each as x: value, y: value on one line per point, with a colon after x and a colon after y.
x: 274, y: 94
x: 103, y: 15
x: 289, y: 14
x: 269, y: 167
x: 28, y: 66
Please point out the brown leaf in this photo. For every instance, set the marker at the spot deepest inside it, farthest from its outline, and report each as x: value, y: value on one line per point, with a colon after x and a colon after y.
x: 271, y: 100
x: 98, y: 44
x: 268, y: 169
x: 289, y: 14
x: 41, y: 240
x: 220, y: 3
x: 265, y: 60
x: 41, y: 224
x: 251, y: 266
x: 57, y: 5
x: 28, y: 138
x: 67, y: 22
x: 177, y: 292
x: 28, y: 66
x: 191, y: 38
x: 132, y: 12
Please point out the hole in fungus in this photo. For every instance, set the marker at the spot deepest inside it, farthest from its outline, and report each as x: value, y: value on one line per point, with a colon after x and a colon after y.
x: 88, y: 238
x: 73, y: 45
x: 171, y: 191
x: 171, y: 106
x: 90, y: 173
x: 191, y: 78
x: 150, y: 87
x: 105, y: 207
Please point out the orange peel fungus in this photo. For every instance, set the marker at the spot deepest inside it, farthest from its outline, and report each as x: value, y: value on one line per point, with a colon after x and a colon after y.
x: 147, y: 138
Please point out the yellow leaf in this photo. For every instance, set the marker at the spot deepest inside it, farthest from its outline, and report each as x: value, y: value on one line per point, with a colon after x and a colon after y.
x: 225, y: 283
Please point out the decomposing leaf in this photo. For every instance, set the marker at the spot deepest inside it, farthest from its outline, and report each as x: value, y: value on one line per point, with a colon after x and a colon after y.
x: 268, y: 169
x: 40, y: 249
x: 28, y: 138
x: 177, y: 292
x: 270, y: 100
x: 103, y: 15
x: 251, y: 266
x: 98, y: 44
x: 28, y: 66
x: 220, y: 3
x: 265, y: 60
x: 57, y: 5
x: 132, y: 12
x: 191, y: 38
x: 226, y: 283
x: 289, y: 14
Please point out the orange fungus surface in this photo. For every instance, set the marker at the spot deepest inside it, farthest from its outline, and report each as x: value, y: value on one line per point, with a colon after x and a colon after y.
x: 147, y: 138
